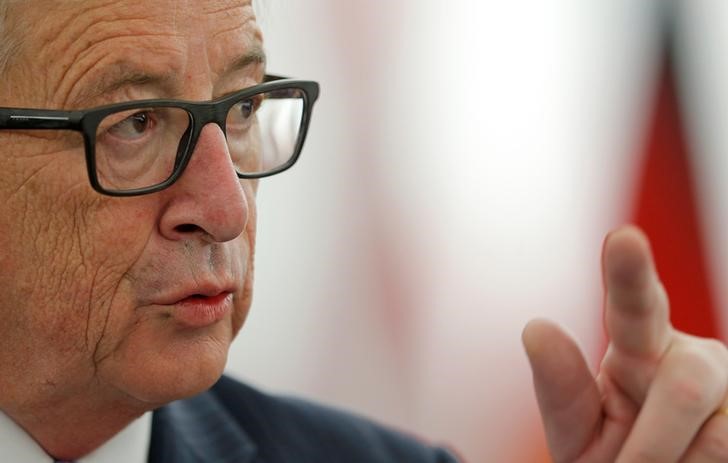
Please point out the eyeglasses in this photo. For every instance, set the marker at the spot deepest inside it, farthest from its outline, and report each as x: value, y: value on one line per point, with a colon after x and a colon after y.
x: 140, y: 147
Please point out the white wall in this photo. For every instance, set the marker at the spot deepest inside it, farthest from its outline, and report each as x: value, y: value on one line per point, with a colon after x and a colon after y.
x: 464, y: 162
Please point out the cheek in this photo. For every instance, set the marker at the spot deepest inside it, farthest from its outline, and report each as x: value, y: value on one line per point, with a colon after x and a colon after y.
x: 244, y: 299
x: 40, y: 261
x: 67, y: 258
x: 250, y: 191
x: 246, y: 248
x: 61, y: 260
x: 113, y: 245
x: 51, y: 233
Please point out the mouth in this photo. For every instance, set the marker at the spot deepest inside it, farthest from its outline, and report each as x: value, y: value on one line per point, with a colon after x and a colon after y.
x: 200, y: 310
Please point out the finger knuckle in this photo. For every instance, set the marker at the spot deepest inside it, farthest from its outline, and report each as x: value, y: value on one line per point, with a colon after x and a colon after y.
x: 690, y: 395
x: 696, y: 382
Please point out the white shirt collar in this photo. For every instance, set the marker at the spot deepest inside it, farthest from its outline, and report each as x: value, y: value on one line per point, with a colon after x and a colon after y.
x: 131, y: 445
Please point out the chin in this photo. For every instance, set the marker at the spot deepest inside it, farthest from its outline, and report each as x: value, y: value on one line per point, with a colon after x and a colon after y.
x: 178, y: 370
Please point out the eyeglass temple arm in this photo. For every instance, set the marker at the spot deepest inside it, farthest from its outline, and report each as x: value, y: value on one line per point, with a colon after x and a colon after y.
x: 29, y: 119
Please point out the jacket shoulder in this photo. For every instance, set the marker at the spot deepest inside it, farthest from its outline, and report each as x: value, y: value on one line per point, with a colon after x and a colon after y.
x: 292, y: 429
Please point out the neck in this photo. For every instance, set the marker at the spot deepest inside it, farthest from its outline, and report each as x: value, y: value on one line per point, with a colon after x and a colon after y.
x: 69, y: 431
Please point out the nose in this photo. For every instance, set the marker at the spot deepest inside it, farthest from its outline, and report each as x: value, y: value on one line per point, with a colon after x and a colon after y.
x: 208, y: 200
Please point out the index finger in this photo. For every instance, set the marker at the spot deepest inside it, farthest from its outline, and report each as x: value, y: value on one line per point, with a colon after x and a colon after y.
x: 637, y: 313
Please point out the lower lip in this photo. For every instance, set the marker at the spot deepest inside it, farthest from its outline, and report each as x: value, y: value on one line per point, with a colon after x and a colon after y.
x: 201, y: 311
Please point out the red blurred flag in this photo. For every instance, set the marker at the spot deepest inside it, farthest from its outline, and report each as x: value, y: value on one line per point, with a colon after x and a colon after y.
x: 666, y: 209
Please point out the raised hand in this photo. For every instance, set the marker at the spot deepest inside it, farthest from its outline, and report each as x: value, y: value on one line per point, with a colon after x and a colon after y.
x: 659, y: 395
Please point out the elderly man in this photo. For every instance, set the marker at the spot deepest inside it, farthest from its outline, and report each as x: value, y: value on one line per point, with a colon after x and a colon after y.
x: 133, y: 136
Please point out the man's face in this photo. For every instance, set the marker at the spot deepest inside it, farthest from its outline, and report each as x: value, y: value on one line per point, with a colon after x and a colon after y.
x: 133, y: 300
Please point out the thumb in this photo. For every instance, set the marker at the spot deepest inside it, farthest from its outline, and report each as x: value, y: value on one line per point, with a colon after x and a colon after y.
x: 566, y: 391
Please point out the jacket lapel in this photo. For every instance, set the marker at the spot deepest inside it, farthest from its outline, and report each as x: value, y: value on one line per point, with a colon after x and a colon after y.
x: 198, y: 430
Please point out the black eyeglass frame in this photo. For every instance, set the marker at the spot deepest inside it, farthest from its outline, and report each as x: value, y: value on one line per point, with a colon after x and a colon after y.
x: 200, y: 114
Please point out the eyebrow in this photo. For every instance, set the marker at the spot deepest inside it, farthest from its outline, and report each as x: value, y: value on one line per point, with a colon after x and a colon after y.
x: 255, y: 55
x: 128, y: 75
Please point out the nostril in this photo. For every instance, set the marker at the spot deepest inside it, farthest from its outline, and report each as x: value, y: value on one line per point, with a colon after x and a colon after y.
x: 187, y: 228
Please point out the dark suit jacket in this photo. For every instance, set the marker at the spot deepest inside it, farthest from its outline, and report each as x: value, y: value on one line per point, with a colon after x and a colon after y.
x: 234, y: 423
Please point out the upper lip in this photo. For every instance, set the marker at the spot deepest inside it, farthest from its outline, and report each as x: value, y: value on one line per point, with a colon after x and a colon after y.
x: 205, y: 289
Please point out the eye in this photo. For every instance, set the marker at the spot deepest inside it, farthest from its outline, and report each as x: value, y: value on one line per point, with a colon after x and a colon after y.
x: 243, y: 112
x: 132, y: 127
x: 246, y: 108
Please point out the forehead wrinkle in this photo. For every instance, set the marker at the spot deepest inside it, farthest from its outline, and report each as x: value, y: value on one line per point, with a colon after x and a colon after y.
x: 240, y: 19
x: 108, y: 77
x: 233, y: 18
x: 89, y: 59
x: 252, y: 43
x: 233, y: 28
x: 115, y: 74
x: 69, y: 26
x: 226, y: 5
x: 79, y: 55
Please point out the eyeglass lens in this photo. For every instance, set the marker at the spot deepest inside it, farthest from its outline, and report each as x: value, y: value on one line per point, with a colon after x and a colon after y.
x: 141, y: 147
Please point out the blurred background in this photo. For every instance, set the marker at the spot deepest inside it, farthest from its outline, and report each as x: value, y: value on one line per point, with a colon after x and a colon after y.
x: 465, y: 161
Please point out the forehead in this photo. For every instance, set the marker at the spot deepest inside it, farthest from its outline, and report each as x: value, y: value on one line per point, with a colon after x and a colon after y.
x: 74, y: 44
